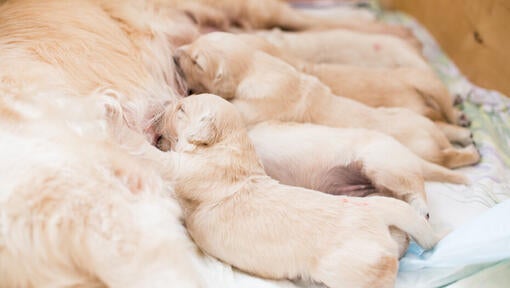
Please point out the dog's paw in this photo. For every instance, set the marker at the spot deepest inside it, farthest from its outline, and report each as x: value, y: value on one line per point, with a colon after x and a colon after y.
x: 458, y: 100
x: 420, y: 206
x: 464, y: 120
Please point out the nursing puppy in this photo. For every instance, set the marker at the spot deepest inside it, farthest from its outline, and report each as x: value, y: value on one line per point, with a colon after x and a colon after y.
x: 265, y: 88
x: 353, y: 162
x: 347, y: 47
x: 235, y: 212
x: 416, y: 89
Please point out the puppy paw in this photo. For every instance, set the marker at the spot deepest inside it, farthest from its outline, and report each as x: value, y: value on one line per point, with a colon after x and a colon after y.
x: 464, y: 120
x: 420, y: 206
x: 458, y: 100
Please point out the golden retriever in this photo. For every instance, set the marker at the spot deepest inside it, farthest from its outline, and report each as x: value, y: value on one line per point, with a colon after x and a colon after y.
x: 87, y: 45
x: 265, y: 88
x: 78, y: 211
x: 235, y: 212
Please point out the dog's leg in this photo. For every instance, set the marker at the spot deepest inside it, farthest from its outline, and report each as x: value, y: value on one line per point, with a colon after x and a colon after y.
x: 456, y: 134
x: 402, y: 240
x: 205, y: 16
x: 376, y: 266
x: 454, y: 158
x: 399, y: 180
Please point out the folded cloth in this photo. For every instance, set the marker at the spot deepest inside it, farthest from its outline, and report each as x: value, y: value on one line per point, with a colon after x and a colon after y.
x: 472, y: 247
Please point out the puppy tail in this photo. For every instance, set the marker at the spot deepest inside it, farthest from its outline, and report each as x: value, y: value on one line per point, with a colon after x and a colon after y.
x: 434, y: 172
x: 401, y: 215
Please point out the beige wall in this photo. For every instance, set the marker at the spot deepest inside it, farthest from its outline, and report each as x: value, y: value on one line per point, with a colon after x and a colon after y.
x: 474, y: 33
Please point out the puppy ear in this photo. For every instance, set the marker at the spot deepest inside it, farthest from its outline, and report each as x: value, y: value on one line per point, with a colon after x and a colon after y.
x: 200, y: 61
x: 203, y: 131
x: 219, y: 73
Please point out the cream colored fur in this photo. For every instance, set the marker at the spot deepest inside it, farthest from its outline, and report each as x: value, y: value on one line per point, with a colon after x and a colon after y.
x: 303, y: 154
x: 266, y: 14
x: 347, y: 47
x: 236, y: 213
x: 78, y: 208
x: 265, y: 88
x: 117, y: 45
x: 413, y: 88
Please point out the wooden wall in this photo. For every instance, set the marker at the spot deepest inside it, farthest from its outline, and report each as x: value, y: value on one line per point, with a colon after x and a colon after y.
x: 474, y: 33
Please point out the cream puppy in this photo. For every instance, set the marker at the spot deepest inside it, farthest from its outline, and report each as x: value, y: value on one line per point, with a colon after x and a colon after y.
x: 413, y: 88
x: 235, y: 212
x: 265, y: 88
x: 347, y: 47
x: 353, y: 162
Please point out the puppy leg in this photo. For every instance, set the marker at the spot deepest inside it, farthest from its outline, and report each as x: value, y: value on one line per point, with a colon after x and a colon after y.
x: 454, y: 158
x: 402, y: 240
x: 400, y: 183
x: 359, y: 263
x: 456, y: 134
x: 205, y: 16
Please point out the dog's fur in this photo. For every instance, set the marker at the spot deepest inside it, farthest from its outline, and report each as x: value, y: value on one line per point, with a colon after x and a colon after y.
x: 123, y: 46
x: 236, y: 213
x: 353, y: 162
x: 265, y: 88
x: 413, y: 88
x: 347, y: 47
x: 76, y: 210
x: 267, y: 14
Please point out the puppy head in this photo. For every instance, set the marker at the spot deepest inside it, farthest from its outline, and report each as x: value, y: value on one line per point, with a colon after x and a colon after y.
x: 197, y: 121
x: 214, y: 63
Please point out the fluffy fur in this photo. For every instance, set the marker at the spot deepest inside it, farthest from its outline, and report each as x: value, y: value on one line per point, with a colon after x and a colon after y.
x: 264, y: 88
x: 117, y: 45
x: 236, y: 213
x: 76, y: 209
